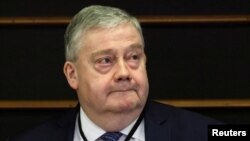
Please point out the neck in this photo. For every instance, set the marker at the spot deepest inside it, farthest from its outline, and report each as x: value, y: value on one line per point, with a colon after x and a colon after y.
x: 112, y: 122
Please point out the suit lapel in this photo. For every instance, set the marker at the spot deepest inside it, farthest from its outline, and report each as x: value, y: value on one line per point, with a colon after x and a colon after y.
x: 156, y: 123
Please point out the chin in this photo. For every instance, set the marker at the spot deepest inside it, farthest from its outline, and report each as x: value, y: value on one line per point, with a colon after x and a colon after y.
x: 129, y: 106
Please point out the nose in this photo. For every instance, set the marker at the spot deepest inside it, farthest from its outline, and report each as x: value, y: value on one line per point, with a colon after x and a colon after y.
x: 122, y: 72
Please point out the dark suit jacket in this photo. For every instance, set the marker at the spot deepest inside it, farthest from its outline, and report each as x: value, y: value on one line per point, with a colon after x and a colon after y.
x: 162, y: 123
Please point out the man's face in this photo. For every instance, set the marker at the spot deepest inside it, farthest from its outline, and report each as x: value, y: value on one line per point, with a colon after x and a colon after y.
x: 111, y: 70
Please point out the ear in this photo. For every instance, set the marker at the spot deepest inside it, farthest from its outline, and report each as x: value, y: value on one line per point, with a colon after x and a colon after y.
x: 70, y: 72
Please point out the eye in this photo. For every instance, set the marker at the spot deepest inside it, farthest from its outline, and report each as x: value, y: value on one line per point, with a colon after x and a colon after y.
x: 104, y: 64
x: 134, y: 60
x: 135, y: 57
x: 105, y: 60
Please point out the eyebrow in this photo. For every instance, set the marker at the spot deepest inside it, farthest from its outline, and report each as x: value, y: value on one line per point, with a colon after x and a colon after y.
x: 101, y: 52
x: 110, y: 51
x: 135, y: 46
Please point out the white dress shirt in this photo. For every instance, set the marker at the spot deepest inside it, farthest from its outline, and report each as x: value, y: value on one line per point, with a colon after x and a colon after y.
x: 93, y: 132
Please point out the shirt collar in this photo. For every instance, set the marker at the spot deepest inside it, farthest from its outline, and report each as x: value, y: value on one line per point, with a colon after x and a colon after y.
x: 139, y: 133
x: 92, y: 131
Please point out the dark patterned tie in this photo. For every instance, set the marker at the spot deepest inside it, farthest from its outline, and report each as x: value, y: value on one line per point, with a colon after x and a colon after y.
x: 111, y: 136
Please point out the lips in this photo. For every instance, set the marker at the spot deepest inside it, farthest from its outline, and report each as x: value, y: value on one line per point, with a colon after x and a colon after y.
x: 123, y: 89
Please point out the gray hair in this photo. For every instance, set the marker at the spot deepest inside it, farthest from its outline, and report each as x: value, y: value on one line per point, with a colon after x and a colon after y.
x: 92, y: 17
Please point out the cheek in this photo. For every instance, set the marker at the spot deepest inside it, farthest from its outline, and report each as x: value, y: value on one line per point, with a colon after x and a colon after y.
x: 92, y: 93
x: 98, y: 87
x: 91, y: 81
x: 142, y: 81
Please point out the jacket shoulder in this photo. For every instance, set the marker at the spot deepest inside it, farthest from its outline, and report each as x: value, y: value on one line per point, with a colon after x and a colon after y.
x: 178, y: 114
x: 50, y: 129
x: 177, y: 124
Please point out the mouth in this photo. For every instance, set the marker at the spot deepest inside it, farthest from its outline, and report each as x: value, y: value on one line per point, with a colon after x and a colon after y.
x: 123, y: 89
x: 127, y: 91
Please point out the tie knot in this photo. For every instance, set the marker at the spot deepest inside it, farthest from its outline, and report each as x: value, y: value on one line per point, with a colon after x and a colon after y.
x: 111, y: 136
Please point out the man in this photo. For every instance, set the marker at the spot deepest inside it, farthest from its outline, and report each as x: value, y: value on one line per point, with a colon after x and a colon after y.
x: 106, y: 65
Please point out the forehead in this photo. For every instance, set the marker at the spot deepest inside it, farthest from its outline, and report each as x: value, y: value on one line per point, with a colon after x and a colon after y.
x: 124, y: 35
